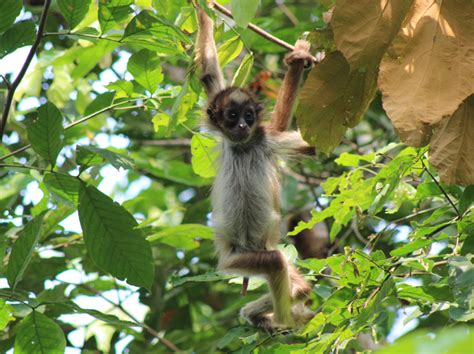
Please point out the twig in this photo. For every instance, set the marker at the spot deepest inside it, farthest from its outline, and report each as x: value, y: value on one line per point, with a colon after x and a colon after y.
x: 260, y: 31
x: 12, y: 165
x: 441, y: 189
x: 26, y: 64
x: 167, y: 142
x: 5, y: 80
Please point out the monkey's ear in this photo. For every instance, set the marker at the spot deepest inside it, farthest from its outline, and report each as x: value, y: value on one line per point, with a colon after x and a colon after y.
x: 258, y: 108
x: 211, y: 114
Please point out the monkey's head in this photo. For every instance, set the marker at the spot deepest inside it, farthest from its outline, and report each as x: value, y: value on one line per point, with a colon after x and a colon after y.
x: 235, y: 113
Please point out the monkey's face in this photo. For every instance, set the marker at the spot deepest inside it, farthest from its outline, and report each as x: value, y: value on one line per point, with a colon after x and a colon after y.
x: 237, y: 115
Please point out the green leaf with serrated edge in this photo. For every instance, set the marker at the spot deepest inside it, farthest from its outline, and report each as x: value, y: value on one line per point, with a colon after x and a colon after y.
x: 9, y: 10
x: 229, y: 50
x: 112, y: 240
x: 46, y: 133
x: 467, y: 199
x: 244, y: 11
x: 410, y: 247
x: 145, y: 68
x: 23, y: 250
x: 73, y: 10
x: 122, y: 87
x: 101, y: 102
x: 204, y: 155
x: 183, y: 236
x: 38, y: 334
x: 6, y: 312
x: 90, y: 156
x: 66, y: 187
x: 207, y: 277
x: 243, y: 71
x: 19, y: 35
x: 112, y: 13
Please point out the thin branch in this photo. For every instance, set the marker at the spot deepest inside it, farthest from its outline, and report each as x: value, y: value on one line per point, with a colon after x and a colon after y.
x: 260, y: 31
x: 5, y: 80
x: 26, y: 64
x: 84, y: 35
x: 167, y: 142
x: 441, y: 189
x: 13, y: 165
x: 71, y: 125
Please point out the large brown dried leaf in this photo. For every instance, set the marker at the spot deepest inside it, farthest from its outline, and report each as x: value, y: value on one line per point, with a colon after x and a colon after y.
x: 364, y: 29
x: 332, y: 99
x: 452, y: 146
x: 430, y: 67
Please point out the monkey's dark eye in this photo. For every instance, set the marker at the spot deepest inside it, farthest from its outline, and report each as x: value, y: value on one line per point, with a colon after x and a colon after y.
x: 249, y: 117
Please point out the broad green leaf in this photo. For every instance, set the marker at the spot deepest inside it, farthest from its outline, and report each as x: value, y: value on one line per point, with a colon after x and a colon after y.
x: 122, y: 87
x: 160, y: 120
x: 243, y: 71
x: 9, y: 10
x: 413, y: 293
x: 88, y: 57
x: 449, y: 340
x: 203, y: 149
x: 353, y: 160
x: 38, y: 334
x: 23, y: 250
x: 60, y: 90
x: 467, y: 199
x: 6, y: 316
x: 66, y: 187
x: 207, y: 277
x: 112, y: 240
x: 183, y: 236
x: 229, y: 50
x: 19, y: 35
x: 244, y: 11
x: 46, y: 133
x: 410, y: 247
x: 74, y: 10
x: 145, y: 68
x: 113, y: 12
x: 333, y: 99
x: 156, y: 33
x: 100, y: 103
x: 91, y: 156
x: 315, y: 326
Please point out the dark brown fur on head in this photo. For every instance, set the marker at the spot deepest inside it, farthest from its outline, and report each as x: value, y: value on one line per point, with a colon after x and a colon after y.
x: 236, y: 113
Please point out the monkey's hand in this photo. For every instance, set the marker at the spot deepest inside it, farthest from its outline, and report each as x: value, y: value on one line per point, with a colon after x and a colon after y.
x: 300, y: 54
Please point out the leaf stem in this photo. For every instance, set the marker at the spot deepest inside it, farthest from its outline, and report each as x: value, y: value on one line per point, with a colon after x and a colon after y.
x: 14, y: 85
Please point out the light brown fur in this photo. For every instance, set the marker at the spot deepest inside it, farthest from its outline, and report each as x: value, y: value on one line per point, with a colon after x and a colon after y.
x: 246, y: 191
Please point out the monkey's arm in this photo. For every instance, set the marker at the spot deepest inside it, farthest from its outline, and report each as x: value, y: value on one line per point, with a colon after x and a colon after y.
x: 287, y: 94
x: 289, y: 144
x: 206, y: 55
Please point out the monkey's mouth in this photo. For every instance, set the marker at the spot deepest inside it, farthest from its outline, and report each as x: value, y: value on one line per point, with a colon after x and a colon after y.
x: 240, y: 136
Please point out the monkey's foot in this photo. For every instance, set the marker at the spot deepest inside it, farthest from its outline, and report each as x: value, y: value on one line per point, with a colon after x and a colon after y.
x: 301, y: 52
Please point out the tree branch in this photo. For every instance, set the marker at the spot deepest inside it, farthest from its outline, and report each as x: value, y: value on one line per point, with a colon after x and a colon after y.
x: 260, y: 31
x: 14, y: 85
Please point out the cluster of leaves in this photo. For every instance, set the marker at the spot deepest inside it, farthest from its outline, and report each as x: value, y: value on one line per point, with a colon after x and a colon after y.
x: 120, y: 73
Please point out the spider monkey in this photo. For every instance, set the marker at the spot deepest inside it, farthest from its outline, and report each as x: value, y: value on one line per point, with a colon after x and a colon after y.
x: 246, y: 191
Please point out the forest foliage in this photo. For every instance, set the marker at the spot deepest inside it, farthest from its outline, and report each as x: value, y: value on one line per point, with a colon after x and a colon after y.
x: 105, y: 173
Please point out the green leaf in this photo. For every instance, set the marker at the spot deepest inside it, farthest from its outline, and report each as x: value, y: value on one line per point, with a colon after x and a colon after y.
x: 467, y: 199
x: 413, y: 293
x: 203, y: 149
x: 410, y: 247
x: 156, y: 33
x: 244, y: 11
x: 353, y: 160
x: 9, y: 10
x: 46, y: 133
x: 101, y: 102
x: 243, y: 71
x: 145, y: 68
x: 23, y: 250
x: 183, y: 236
x: 66, y: 187
x: 112, y: 240
x: 19, y: 35
x: 6, y: 312
x: 229, y: 50
x: 91, y: 156
x: 73, y: 10
x: 160, y: 120
x: 38, y: 334
x: 332, y: 99
x: 122, y: 87
x: 113, y: 12
x: 207, y: 277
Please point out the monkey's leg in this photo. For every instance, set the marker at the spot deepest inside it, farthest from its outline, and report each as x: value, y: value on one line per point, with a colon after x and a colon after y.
x: 256, y: 312
x: 274, y: 266
x: 300, y: 289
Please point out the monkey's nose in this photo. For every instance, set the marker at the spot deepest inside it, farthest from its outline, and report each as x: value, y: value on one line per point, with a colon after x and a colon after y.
x: 242, y: 126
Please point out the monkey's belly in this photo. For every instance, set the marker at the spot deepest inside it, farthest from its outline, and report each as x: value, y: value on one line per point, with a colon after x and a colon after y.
x: 244, y: 216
